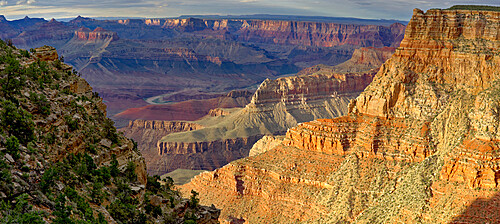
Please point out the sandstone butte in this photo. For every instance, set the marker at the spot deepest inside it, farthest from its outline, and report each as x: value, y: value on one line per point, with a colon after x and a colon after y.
x: 419, y: 145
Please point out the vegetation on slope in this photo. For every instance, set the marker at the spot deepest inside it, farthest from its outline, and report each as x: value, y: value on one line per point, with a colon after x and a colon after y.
x: 61, y: 159
x: 475, y: 7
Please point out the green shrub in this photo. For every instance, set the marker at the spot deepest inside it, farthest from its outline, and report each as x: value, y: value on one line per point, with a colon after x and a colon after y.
x: 25, y: 53
x: 113, y: 169
x: 12, y: 145
x: 41, y: 102
x: 72, y: 123
x: 47, y: 179
x: 130, y: 171
x: 193, y: 200
x: 20, y: 212
x: 17, y: 121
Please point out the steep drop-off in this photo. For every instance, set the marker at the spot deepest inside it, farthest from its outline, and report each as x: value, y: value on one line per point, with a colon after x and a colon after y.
x: 420, y: 144
x: 61, y: 159
x: 148, y: 132
x: 276, y: 106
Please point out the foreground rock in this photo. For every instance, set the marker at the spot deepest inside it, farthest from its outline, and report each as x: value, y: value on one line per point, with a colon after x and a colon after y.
x: 418, y: 145
x: 61, y: 159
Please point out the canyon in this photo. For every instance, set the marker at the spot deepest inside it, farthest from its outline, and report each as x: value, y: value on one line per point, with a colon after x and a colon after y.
x: 419, y: 144
x: 130, y: 61
x: 229, y: 134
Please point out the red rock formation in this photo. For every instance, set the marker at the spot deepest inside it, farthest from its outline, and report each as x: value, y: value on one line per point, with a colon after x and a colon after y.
x: 98, y: 34
x: 420, y: 144
x: 46, y: 53
x: 320, y: 34
x: 276, y: 106
x: 310, y: 87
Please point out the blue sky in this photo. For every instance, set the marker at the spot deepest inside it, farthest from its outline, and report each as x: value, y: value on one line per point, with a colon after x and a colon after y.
x: 370, y: 9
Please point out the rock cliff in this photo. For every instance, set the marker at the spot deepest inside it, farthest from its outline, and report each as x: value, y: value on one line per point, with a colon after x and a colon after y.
x: 320, y: 34
x: 276, y: 106
x: 98, y: 34
x: 418, y: 145
x: 148, y: 132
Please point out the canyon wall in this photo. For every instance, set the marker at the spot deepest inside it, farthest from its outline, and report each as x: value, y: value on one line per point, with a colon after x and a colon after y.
x: 418, y: 145
x: 320, y: 34
x: 98, y: 34
x: 147, y: 132
x: 276, y: 106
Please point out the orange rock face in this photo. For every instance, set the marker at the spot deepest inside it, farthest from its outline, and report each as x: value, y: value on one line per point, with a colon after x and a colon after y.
x: 98, y: 34
x: 420, y: 144
x: 46, y: 53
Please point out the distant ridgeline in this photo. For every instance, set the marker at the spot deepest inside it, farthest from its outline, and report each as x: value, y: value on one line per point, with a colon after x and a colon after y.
x: 475, y: 7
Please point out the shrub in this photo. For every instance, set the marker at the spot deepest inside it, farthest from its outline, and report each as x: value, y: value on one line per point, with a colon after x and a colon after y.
x: 153, y: 185
x: 18, y: 121
x: 130, y: 171
x: 72, y: 123
x: 20, y: 212
x: 110, y: 131
x: 25, y: 53
x: 47, y: 179
x: 114, y: 171
x: 41, y: 102
x: 193, y: 200
x: 12, y: 145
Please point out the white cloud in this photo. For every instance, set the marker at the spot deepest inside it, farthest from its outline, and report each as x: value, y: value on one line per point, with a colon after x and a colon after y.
x: 25, y: 2
x: 248, y: 1
x: 3, y: 3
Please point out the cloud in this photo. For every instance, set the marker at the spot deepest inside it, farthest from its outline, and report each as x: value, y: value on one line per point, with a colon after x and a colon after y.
x: 3, y: 3
x: 25, y: 2
x: 248, y: 1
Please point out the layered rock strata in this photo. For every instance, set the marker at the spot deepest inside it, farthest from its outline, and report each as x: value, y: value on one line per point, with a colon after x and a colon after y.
x: 98, y: 34
x: 148, y: 132
x: 420, y: 144
x: 276, y: 106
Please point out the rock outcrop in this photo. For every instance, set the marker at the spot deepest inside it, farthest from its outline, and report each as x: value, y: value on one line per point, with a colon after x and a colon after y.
x: 61, y: 159
x: 148, y: 132
x: 98, y: 34
x: 46, y: 53
x: 418, y: 145
x: 276, y: 106
x: 266, y: 143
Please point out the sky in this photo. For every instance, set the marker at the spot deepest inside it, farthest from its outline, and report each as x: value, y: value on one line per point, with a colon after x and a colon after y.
x: 368, y: 9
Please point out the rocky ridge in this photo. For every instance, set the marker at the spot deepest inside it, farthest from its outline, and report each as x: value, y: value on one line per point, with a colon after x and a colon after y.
x: 61, y: 159
x: 276, y: 106
x: 418, y: 145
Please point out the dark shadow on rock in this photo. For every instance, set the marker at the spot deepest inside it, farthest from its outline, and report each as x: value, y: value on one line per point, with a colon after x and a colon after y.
x: 482, y: 210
